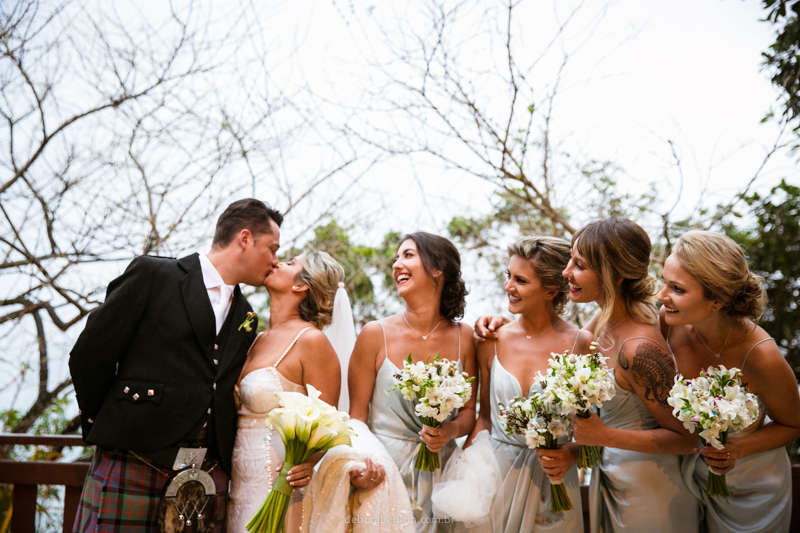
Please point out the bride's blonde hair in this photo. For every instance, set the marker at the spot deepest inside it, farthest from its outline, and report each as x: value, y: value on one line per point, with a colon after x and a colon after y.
x: 322, y: 274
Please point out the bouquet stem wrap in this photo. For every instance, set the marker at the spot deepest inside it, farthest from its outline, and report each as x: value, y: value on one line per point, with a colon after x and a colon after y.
x: 712, y: 404
x: 438, y: 389
x: 427, y: 460
x: 588, y: 456
x: 558, y: 492
x: 716, y: 485
x: 307, y: 425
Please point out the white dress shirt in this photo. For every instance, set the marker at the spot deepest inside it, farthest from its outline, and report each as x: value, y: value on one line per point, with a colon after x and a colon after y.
x: 220, y: 294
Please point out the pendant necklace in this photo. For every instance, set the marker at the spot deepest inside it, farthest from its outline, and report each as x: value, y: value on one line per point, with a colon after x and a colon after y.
x: 424, y: 337
x: 538, y: 334
x: 716, y: 354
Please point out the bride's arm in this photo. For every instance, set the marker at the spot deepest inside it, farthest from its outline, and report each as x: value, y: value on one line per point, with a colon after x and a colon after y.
x: 320, y: 370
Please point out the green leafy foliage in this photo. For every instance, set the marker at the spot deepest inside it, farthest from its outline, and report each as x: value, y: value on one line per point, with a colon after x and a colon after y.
x: 368, y: 270
x: 782, y: 60
x: 773, y: 245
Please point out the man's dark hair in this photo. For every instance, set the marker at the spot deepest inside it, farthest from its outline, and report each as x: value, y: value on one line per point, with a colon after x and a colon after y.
x: 250, y: 214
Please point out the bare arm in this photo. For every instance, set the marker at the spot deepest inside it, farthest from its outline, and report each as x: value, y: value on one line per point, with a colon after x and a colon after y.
x: 644, y: 368
x: 362, y: 371
x: 770, y: 376
x: 321, y: 367
x: 485, y: 355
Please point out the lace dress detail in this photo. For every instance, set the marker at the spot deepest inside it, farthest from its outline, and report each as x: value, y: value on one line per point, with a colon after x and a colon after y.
x: 258, y: 448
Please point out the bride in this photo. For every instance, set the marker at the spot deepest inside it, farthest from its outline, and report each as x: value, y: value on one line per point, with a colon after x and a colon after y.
x: 291, y: 354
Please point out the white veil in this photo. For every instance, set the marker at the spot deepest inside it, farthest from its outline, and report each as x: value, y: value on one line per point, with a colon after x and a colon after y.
x: 341, y: 333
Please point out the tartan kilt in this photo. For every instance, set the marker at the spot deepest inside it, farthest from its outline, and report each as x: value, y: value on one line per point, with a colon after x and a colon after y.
x: 122, y: 494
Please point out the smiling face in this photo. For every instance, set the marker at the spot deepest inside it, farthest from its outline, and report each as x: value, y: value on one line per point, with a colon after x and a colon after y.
x: 524, y: 288
x: 408, y: 272
x: 683, y: 297
x: 584, y: 286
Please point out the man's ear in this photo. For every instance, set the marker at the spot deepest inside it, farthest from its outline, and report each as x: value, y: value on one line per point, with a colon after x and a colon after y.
x: 245, y: 238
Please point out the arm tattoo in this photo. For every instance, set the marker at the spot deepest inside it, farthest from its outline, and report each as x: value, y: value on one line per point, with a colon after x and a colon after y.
x: 653, y: 370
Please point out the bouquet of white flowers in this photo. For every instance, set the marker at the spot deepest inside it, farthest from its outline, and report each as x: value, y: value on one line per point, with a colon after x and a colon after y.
x: 541, y: 427
x: 439, y: 389
x: 574, y: 384
x: 713, y: 403
x: 306, y: 425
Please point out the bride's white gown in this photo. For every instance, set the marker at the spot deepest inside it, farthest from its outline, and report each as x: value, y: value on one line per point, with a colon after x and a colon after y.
x: 259, y: 449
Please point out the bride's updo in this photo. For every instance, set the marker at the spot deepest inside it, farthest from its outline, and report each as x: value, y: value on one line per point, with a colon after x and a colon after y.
x: 720, y: 267
x: 322, y: 274
x: 618, y: 251
x: 438, y: 253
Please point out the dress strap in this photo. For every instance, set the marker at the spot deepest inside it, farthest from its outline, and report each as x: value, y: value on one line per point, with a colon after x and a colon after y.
x: 458, y: 329
x: 753, y: 348
x: 574, y: 344
x: 250, y: 349
x: 648, y: 338
x: 385, y: 346
x: 290, y: 346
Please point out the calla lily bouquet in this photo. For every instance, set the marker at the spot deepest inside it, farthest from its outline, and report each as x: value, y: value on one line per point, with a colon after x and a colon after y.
x: 306, y: 425
x: 439, y: 389
x: 573, y: 385
x: 713, y: 403
x: 532, y: 419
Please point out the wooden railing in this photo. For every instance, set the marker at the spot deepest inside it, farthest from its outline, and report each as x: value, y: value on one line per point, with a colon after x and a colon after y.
x: 26, y: 475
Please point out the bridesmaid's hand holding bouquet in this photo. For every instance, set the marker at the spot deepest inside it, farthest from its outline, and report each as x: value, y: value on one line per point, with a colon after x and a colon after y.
x: 714, y: 403
x: 439, y: 389
x: 573, y: 385
x: 531, y: 418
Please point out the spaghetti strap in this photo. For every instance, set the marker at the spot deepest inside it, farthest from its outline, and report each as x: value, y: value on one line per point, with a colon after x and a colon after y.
x: 753, y: 348
x: 574, y: 344
x: 250, y: 349
x: 458, y: 328
x: 290, y: 346
x: 385, y: 346
x: 648, y: 338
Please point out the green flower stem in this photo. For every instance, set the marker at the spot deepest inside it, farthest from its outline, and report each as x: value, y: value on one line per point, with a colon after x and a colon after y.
x: 561, y: 501
x: 558, y: 492
x: 717, y: 485
x: 428, y: 461
x: 588, y: 456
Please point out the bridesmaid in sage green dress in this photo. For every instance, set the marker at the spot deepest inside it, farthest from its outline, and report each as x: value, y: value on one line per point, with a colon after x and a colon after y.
x: 427, y: 272
x: 638, y: 486
x: 711, y: 305
x: 537, y: 293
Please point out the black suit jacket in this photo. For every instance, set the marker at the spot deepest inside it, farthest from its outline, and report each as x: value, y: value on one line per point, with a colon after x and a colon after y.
x: 146, y: 369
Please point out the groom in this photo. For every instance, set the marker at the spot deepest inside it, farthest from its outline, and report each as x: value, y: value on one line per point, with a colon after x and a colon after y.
x: 155, y: 367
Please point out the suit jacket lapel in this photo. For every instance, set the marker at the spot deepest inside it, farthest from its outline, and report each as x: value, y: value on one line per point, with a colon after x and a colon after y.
x: 198, y: 306
x: 236, y: 336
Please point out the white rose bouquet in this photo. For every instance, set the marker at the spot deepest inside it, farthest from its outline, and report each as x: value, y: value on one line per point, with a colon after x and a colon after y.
x: 306, y: 425
x: 573, y: 385
x: 713, y: 403
x: 439, y: 389
x: 532, y: 419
